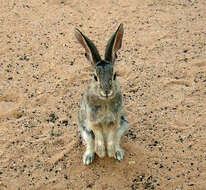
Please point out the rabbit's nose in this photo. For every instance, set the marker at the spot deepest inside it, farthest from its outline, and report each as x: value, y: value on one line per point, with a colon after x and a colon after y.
x: 107, y: 93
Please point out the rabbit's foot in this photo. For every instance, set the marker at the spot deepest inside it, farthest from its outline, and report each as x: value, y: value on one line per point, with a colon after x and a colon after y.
x: 88, y: 157
x: 111, y: 149
x: 119, y: 154
x: 100, y: 149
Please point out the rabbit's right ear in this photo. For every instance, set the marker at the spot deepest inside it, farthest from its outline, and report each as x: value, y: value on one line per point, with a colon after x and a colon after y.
x: 114, y: 44
x: 91, y: 53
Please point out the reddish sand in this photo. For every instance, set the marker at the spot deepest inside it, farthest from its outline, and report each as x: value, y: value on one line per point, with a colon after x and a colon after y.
x: 43, y: 73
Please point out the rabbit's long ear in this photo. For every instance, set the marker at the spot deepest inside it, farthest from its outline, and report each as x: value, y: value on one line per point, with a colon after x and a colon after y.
x: 91, y: 53
x: 114, y: 44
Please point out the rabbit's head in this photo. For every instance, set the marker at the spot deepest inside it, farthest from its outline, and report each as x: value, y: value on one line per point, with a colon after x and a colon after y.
x: 105, y: 77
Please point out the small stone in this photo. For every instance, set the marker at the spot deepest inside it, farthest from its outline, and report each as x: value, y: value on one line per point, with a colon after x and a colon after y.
x: 132, y: 162
x: 161, y: 166
x: 190, y: 184
x: 65, y: 176
x: 89, y: 185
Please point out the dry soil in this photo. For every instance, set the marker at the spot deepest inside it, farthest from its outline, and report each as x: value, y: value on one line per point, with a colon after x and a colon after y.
x: 43, y: 73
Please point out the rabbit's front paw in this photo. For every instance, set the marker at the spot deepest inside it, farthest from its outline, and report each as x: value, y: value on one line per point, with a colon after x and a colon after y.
x: 88, y: 157
x: 119, y: 154
x: 100, y: 149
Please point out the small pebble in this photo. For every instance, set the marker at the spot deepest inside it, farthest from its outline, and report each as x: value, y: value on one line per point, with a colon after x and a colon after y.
x: 132, y: 162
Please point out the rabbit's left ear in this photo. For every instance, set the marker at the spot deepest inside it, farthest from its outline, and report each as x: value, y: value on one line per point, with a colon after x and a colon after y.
x: 114, y: 44
x: 91, y: 53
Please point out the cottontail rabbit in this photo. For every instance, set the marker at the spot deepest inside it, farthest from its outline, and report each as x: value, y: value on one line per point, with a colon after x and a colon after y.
x: 101, y: 118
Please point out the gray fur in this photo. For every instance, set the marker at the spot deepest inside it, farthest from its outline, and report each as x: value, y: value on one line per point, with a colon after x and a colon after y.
x: 101, y: 117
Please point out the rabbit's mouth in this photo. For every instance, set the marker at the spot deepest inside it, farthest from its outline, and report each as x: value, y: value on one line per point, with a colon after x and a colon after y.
x: 106, y: 94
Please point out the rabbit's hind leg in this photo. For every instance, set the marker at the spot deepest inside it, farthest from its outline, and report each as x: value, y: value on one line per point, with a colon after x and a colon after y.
x: 124, y: 125
x: 88, y: 138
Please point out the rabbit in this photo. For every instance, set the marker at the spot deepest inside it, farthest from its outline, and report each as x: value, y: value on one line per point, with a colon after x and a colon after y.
x: 101, y: 118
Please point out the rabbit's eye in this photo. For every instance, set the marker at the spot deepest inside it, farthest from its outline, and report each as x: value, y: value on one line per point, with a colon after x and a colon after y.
x: 95, y: 78
x: 115, y: 76
x: 86, y: 55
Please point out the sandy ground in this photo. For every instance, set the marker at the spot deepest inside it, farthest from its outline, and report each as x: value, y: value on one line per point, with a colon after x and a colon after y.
x: 43, y: 73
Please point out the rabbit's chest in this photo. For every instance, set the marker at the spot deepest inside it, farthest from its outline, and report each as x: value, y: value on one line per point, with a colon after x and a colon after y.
x: 104, y: 115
